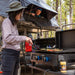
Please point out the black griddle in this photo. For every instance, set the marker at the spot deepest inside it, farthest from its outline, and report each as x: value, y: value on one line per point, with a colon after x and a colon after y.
x: 69, y: 51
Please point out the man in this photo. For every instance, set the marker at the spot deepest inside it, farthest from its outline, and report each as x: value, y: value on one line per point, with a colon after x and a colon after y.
x: 37, y: 13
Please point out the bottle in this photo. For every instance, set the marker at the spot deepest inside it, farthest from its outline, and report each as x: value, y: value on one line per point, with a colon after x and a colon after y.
x: 63, y: 67
x: 49, y: 46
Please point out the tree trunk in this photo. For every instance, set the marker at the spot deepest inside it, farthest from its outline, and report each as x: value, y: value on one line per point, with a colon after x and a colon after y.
x: 53, y: 4
x: 60, y: 14
x: 57, y: 9
x: 46, y: 34
x: 71, y: 12
x: 65, y: 18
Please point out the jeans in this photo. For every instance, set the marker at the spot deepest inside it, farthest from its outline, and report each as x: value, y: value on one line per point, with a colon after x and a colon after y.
x: 10, y: 61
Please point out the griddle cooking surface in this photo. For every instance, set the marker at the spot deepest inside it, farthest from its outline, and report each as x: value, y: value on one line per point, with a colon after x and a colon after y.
x: 69, y: 51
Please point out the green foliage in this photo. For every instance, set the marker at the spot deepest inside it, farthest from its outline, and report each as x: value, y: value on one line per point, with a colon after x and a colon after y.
x: 65, y: 9
x: 74, y: 12
x: 0, y: 33
x: 48, y: 2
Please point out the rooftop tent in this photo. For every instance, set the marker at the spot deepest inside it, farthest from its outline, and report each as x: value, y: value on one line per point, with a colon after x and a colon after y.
x: 48, y: 21
x: 42, y: 23
x: 33, y: 4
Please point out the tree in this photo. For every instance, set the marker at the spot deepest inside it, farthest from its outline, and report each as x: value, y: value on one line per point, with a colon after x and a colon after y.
x: 64, y: 8
x: 48, y: 2
x: 71, y: 12
x: 57, y: 8
x: 60, y: 13
x: 73, y: 19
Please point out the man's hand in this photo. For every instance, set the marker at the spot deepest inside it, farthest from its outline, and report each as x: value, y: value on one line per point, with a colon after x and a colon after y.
x: 33, y: 14
x: 29, y: 40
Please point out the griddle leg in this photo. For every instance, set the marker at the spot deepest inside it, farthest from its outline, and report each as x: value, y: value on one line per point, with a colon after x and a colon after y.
x: 25, y: 68
x: 32, y: 71
x: 44, y: 73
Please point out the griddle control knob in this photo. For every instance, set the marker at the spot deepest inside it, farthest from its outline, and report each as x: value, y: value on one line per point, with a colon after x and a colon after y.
x: 35, y: 57
x: 38, y: 57
x: 46, y: 59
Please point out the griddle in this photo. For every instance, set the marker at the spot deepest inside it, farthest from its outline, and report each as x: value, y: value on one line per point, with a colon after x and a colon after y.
x: 69, y: 51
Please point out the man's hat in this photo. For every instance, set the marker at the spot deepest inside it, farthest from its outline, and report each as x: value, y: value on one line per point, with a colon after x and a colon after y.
x: 14, y: 6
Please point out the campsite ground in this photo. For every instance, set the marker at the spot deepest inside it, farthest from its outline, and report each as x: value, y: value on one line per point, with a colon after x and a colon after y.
x: 28, y: 72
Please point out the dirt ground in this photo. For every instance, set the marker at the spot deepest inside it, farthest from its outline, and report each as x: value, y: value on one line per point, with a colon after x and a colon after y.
x: 28, y: 72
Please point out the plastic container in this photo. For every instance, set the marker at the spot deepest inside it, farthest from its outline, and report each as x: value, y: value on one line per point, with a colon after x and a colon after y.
x: 28, y: 47
x: 63, y: 66
x: 1, y: 72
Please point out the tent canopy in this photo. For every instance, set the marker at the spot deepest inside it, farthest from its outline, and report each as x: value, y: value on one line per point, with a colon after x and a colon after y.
x: 5, y: 3
x: 48, y: 12
x: 48, y: 21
